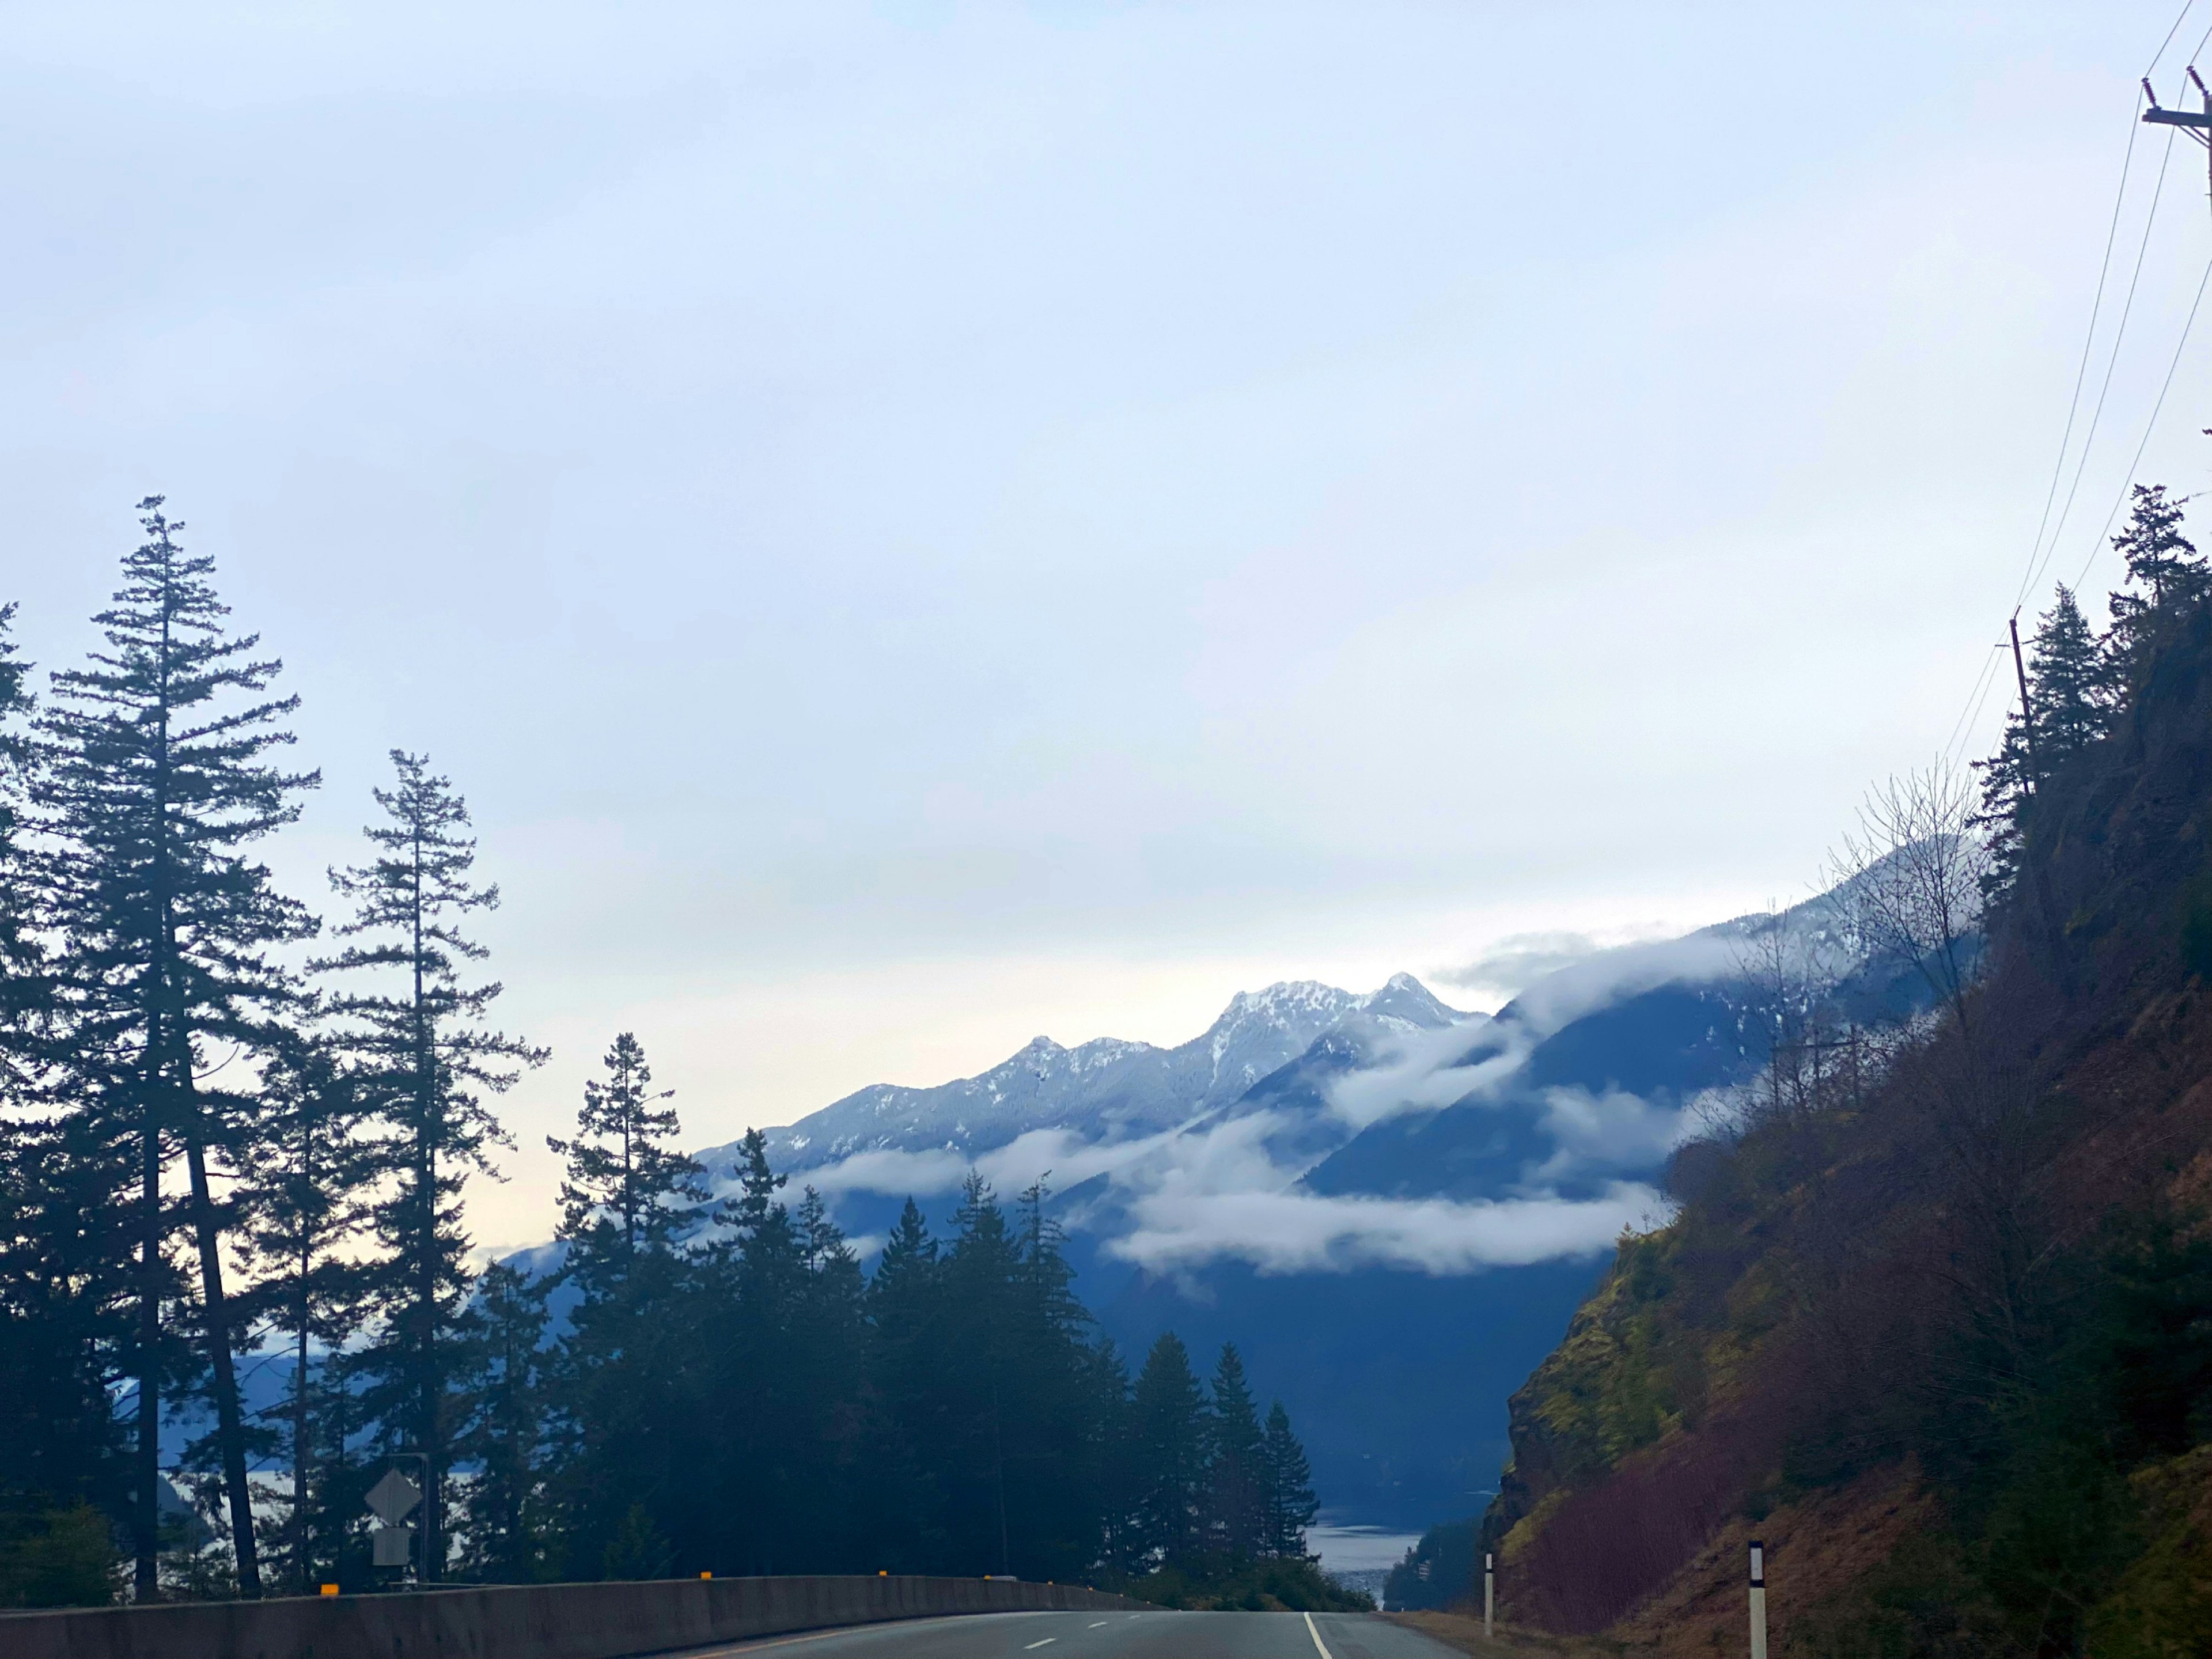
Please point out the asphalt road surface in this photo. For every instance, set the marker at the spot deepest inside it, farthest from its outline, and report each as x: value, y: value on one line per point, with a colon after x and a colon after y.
x: 1104, y: 1636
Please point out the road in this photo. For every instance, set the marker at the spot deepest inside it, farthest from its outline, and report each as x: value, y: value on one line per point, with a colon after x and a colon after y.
x: 1104, y: 1636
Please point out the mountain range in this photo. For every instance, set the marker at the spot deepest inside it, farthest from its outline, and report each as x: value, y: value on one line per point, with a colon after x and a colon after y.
x: 1392, y: 1206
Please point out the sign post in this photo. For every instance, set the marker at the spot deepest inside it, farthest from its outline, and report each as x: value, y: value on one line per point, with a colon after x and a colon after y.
x: 389, y: 1500
x: 1489, y: 1592
x: 1758, y: 1600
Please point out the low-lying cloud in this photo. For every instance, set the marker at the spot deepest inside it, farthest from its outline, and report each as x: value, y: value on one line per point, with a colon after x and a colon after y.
x: 1520, y: 959
x: 1425, y: 1069
x: 1227, y: 1185
x: 1286, y: 1232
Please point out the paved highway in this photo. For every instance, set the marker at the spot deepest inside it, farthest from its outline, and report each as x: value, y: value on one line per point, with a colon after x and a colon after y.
x: 1105, y: 1636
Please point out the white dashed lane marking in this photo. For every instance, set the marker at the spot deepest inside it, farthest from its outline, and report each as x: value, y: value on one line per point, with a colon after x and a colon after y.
x: 1313, y: 1631
x: 1046, y: 1643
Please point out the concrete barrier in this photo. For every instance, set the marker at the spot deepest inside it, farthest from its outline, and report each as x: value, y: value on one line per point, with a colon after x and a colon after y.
x: 525, y: 1621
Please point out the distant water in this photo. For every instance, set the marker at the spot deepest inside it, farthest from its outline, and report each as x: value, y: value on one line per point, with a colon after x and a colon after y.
x: 1359, y: 1549
x: 1359, y: 1557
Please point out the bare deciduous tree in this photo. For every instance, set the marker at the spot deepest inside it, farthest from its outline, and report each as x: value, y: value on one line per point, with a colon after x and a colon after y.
x: 1912, y: 875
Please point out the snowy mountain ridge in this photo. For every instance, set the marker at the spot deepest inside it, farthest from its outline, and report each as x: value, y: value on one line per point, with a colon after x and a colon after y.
x: 1107, y: 1089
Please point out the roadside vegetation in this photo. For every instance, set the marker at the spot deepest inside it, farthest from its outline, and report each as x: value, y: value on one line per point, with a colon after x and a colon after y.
x: 234, y: 1139
x: 1934, y: 1316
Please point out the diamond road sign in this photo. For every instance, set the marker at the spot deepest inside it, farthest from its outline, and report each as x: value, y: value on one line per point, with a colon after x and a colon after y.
x: 390, y: 1499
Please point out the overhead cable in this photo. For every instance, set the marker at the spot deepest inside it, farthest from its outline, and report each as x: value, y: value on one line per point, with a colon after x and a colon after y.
x: 2150, y: 425
x: 2111, y: 362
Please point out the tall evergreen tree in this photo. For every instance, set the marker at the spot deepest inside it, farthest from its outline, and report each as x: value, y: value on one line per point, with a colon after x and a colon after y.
x: 627, y: 1188
x: 749, y: 1288
x: 904, y: 1315
x: 2168, y: 572
x: 1172, y: 1444
x: 157, y: 779
x: 421, y: 1038
x: 2070, y: 697
x: 65, y: 1284
x: 623, y: 1368
x: 507, y: 1531
x: 23, y: 977
x: 1236, y: 1483
x: 1291, y: 1508
x: 306, y: 1215
x: 982, y: 1271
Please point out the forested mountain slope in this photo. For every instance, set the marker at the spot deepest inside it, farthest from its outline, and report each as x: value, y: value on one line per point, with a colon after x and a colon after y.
x: 1935, y: 1320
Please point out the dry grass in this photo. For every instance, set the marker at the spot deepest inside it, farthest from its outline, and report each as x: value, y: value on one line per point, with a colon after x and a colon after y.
x: 1512, y: 1641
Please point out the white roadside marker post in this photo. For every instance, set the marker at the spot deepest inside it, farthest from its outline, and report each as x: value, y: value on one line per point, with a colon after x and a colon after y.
x: 1758, y: 1600
x: 1489, y: 1592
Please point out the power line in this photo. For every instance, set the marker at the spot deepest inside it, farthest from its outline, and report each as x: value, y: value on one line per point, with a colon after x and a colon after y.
x: 2111, y: 363
x: 2041, y: 550
x: 1975, y: 698
x: 2193, y: 56
x: 2088, y: 341
x: 2169, y: 41
x: 2150, y: 425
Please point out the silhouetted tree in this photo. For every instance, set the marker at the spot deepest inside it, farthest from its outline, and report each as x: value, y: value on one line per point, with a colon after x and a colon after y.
x: 1171, y: 1450
x: 506, y: 1527
x: 425, y: 1051
x: 1236, y: 1480
x: 621, y: 1377
x: 626, y: 1187
x: 1290, y: 1506
x: 156, y: 781
x: 308, y: 1209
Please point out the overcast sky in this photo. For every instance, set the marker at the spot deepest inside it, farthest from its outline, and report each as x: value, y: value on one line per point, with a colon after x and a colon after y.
x: 918, y: 524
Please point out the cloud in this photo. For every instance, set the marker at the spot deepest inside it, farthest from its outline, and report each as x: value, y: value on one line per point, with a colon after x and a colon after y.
x: 1226, y: 1187
x: 1519, y: 959
x: 1611, y: 1129
x: 1422, y: 1071
x: 1626, y: 971
x: 1285, y: 1232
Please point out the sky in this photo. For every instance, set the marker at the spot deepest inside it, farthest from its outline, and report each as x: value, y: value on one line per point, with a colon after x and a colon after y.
x: 916, y: 525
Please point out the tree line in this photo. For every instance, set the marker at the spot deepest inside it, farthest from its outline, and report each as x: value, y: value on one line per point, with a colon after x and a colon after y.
x: 235, y: 1135
x: 1990, y: 1217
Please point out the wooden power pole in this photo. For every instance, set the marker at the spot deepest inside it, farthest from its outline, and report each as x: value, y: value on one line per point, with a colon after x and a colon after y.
x: 2197, y: 126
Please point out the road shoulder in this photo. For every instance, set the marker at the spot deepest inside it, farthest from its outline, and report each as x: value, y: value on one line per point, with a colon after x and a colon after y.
x: 1512, y: 1642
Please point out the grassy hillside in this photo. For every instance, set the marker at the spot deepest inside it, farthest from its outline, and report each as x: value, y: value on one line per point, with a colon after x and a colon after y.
x: 1937, y: 1326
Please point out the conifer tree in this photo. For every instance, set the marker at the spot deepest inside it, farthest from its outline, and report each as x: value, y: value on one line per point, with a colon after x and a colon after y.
x: 625, y: 1179
x: 22, y: 979
x: 903, y: 1316
x: 65, y: 1286
x: 506, y: 1528
x: 157, y: 779
x: 1236, y: 1483
x: 622, y: 1369
x: 902, y: 1292
x: 2070, y: 695
x: 1170, y: 1425
x: 1291, y: 1508
x: 307, y: 1212
x: 750, y: 1282
x: 2169, y: 572
x: 420, y: 1036
x: 982, y: 1270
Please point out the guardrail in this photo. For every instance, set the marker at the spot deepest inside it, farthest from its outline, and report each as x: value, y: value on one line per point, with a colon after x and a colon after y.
x: 524, y: 1621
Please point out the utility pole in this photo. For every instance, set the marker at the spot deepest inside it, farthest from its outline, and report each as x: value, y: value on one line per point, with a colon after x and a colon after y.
x: 2026, y: 708
x: 2198, y: 127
